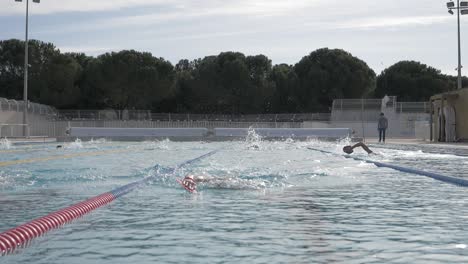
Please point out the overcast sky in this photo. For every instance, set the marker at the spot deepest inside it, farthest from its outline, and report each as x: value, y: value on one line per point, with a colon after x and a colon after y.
x: 379, y: 32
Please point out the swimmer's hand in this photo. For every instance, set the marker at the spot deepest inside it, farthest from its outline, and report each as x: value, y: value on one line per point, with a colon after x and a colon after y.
x: 189, y: 183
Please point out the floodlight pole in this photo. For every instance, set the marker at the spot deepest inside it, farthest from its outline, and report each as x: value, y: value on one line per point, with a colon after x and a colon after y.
x: 459, y: 86
x: 26, y: 66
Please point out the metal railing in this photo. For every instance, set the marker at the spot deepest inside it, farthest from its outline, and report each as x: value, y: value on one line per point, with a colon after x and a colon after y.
x: 34, y: 108
x: 356, y: 104
x: 146, y: 115
x: 377, y: 105
x: 413, y: 107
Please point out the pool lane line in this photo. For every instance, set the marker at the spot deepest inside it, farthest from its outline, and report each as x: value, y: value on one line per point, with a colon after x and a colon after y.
x: 56, y: 157
x: 22, y: 235
x: 433, y: 175
x: 14, y: 150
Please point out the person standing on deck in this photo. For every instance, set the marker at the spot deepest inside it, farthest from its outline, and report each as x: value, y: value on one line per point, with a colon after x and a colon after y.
x: 382, y: 127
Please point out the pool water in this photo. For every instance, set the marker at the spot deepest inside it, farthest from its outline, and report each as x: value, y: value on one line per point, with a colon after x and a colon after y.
x: 270, y: 202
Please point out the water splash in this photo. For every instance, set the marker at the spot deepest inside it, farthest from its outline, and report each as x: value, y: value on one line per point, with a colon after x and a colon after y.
x: 5, y: 143
x: 159, y: 145
x: 253, y: 140
x: 78, y: 144
x: 98, y: 141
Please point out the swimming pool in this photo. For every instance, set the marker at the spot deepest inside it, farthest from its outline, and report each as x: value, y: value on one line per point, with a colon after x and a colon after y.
x: 279, y: 202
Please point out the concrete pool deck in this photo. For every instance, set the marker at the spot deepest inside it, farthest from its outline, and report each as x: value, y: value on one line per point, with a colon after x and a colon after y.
x: 31, y: 140
x: 389, y: 141
x: 413, y: 141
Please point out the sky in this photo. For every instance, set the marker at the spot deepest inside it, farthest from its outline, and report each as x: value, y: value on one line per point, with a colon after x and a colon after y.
x: 379, y: 32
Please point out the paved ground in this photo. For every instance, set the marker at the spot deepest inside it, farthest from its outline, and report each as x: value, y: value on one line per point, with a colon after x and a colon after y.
x: 408, y: 141
x: 31, y: 140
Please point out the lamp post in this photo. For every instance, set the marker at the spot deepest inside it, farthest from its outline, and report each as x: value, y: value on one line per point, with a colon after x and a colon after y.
x: 461, y: 8
x: 26, y: 66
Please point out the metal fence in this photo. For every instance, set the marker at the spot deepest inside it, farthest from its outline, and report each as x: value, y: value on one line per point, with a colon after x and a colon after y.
x: 378, y: 104
x: 146, y: 115
x: 413, y: 107
x: 356, y: 104
x: 358, y: 114
x: 34, y: 108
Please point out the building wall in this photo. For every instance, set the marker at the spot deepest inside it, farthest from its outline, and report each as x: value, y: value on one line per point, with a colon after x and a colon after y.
x: 461, y: 111
x: 459, y: 101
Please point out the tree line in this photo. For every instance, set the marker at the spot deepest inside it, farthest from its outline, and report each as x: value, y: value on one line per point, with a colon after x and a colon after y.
x: 228, y: 83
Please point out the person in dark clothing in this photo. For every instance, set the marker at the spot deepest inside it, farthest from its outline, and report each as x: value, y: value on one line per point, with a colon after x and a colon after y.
x: 382, y: 127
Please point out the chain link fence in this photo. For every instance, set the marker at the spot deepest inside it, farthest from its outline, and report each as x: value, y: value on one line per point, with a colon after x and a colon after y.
x: 379, y: 104
x: 34, y: 108
x: 146, y: 115
x: 40, y: 118
x: 359, y: 114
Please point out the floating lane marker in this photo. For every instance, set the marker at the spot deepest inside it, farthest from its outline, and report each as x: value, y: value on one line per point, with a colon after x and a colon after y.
x: 433, y: 175
x: 67, y: 156
x: 20, y: 236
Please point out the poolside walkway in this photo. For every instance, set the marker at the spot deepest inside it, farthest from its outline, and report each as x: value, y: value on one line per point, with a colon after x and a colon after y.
x: 31, y: 140
x: 412, y: 141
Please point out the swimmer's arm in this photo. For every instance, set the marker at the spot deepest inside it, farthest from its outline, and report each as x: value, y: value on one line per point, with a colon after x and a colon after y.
x: 363, y: 146
x: 199, y: 179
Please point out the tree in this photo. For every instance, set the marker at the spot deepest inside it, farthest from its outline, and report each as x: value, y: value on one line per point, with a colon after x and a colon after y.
x: 284, y: 82
x: 261, y: 93
x: 328, y: 74
x: 217, y: 84
x: 11, y: 68
x: 51, y: 78
x: 127, y: 80
x: 58, y: 83
x: 412, y: 81
x: 228, y: 83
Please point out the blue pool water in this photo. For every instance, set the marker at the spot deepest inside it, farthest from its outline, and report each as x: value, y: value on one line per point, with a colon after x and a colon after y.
x: 272, y: 202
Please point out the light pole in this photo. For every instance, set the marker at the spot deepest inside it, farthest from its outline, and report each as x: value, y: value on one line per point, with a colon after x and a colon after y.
x: 461, y: 8
x: 26, y: 66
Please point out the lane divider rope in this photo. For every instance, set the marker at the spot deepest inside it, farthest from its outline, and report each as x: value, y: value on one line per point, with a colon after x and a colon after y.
x: 22, y: 235
x: 433, y: 175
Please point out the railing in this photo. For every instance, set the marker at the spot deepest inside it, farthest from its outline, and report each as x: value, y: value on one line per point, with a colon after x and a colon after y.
x: 356, y: 104
x: 377, y: 104
x: 34, y: 108
x: 413, y: 107
x: 146, y: 115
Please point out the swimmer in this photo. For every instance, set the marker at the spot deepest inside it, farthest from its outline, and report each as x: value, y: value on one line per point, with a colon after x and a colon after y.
x: 190, y: 181
x: 349, y: 149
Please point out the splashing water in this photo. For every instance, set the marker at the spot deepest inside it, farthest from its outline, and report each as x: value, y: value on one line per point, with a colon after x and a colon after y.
x: 5, y: 143
x: 253, y: 140
x: 78, y: 144
x: 98, y: 141
x: 159, y: 145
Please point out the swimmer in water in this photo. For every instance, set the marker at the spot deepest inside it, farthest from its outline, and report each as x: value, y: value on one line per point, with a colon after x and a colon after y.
x: 190, y: 182
x: 350, y: 149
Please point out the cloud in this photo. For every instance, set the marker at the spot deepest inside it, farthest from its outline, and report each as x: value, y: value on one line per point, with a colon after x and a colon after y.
x: 89, y: 50
x: 60, y: 6
x: 267, y: 7
x: 392, y: 22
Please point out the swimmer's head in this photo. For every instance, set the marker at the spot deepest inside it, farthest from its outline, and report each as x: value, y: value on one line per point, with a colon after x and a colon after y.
x: 348, y: 149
